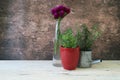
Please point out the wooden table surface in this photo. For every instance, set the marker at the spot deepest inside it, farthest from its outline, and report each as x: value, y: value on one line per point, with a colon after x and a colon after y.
x: 44, y: 70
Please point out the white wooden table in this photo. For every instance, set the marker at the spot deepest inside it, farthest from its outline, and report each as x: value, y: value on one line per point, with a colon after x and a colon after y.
x: 44, y: 70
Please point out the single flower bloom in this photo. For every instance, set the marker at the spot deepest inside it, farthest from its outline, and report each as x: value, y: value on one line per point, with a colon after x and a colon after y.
x: 59, y: 8
x: 62, y: 13
x: 67, y: 10
x: 53, y: 11
x: 56, y: 15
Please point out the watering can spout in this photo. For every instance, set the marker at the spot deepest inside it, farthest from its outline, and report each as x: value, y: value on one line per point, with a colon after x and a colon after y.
x: 96, y: 61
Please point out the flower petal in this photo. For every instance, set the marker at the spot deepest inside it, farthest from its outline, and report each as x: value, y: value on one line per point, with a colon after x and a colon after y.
x: 53, y: 11
x: 61, y: 13
x: 67, y: 10
x: 56, y: 15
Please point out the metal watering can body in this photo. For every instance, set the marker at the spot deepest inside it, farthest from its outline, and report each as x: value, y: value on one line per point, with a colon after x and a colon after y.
x: 86, y: 59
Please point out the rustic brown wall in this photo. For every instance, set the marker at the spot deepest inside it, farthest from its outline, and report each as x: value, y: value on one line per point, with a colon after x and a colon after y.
x: 27, y: 27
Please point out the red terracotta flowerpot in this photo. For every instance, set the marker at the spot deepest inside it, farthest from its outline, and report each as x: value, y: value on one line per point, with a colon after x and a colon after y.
x: 69, y: 57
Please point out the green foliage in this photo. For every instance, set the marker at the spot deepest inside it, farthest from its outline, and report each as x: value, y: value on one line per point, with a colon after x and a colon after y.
x: 87, y: 37
x: 68, y: 40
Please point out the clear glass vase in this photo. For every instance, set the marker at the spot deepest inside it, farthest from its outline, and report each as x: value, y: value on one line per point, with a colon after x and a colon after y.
x: 56, y: 54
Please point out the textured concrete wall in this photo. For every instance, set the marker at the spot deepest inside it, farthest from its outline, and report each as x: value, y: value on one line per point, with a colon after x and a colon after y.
x: 27, y: 27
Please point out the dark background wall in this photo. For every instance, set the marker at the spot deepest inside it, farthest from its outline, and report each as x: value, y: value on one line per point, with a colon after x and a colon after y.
x: 27, y: 27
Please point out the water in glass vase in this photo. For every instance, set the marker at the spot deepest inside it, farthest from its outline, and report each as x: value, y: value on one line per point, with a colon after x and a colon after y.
x: 56, y: 60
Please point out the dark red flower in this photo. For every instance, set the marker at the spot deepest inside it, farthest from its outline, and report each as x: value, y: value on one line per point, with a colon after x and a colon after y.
x: 56, y: 15
x: 61, y: 7
x: 67, y: 10
x: 53, y: 11
x: 60, y: 11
